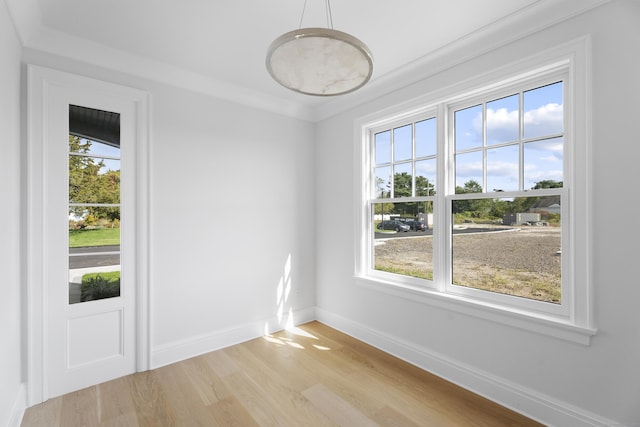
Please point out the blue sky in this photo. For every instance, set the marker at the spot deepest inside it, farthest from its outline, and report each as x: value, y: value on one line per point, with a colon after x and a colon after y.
x: 543, y: 159
x: 99, y: 149
x: 543, y: 116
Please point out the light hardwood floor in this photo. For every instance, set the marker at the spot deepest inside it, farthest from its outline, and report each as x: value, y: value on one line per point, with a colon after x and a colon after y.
x: 315, y: 376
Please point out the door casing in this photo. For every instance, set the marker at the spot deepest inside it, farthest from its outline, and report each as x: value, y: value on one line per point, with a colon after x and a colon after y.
x: 41, y: 83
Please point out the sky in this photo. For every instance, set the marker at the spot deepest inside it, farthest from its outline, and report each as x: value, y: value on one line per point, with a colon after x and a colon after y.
x: 543, y: 157
x: 99, y: 149
x: 543, y: 116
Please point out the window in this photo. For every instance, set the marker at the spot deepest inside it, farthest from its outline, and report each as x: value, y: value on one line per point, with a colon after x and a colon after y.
x: 94, y: 204
x: 506, y: 207
x: 404, y: 174
x: 490, y: 175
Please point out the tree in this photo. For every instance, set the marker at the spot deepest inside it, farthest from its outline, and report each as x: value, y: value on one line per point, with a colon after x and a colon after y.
x: 403, y: 187
x: 88, y: 185
x: 547, y: 183
x: 402, y: 184
x: 523, y: 204
x: 470, y: 207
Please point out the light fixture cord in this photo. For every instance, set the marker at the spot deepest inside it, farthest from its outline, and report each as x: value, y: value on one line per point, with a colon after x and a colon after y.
x: 327, y: 6
x: 304, y: 7
x: 329, y: 15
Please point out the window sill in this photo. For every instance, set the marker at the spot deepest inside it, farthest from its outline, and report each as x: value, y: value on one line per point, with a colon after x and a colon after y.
x: 529, y: 321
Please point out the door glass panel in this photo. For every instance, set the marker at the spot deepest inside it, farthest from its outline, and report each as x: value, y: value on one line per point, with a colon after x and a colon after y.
x: 94, y: 205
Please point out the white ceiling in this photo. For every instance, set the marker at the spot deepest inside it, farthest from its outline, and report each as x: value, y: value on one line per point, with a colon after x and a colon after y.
x: 220, y: 45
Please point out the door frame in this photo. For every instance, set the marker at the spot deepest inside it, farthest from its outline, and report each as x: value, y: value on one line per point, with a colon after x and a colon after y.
x: 40, y: 80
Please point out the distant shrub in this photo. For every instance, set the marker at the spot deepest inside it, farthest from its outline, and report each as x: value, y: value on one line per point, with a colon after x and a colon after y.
x: 97, y: 286
x: 90, y: 220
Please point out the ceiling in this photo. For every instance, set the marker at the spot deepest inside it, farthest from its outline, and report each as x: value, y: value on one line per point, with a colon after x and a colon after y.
x: 219, y: 46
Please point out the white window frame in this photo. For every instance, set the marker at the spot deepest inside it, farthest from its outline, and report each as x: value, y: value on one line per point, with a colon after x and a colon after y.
x: 573, y: 318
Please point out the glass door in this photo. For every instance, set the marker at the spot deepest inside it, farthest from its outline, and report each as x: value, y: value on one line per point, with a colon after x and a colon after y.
x: 94, y: 204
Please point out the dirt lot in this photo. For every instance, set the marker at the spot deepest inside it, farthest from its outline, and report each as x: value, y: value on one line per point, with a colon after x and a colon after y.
x: 521, y: 261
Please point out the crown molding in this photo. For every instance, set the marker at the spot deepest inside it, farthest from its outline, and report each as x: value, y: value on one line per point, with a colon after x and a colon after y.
x: 542, y: 14
x: 82, y: 50
x: 538, y: 16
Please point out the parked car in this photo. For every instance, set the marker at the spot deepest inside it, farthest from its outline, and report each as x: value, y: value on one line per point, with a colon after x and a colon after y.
x: 416, y: 225
x: 393, y: 225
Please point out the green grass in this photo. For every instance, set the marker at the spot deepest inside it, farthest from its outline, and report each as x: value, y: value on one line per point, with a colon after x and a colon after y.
x: 109, y: 276
x: 536, y: 286
x: 94, y: 237
x: 406, y: 271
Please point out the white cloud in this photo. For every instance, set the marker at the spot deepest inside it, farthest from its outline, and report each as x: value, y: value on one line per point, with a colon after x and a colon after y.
x: 502, y: 169
x: 545, y: 120
x: 469, y: 169
x: 502, y: 124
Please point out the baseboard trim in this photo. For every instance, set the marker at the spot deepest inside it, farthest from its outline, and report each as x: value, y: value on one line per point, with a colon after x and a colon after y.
x: 527, y: 402
x: 184, y: 349
x: 19, y: 406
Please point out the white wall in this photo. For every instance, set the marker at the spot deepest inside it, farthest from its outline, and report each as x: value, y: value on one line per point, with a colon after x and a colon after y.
x: 232, y: 207
x: 559, y: 382
x: 11, y: 389
x: 232, y: 202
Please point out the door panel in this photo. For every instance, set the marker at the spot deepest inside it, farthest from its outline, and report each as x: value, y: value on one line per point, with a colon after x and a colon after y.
x: 90, y: 329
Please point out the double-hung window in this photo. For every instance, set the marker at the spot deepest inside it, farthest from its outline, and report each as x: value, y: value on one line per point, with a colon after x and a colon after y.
x: 479, y: 199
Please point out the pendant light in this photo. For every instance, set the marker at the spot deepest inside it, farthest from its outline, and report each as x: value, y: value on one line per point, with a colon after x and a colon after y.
x: 319, y: 61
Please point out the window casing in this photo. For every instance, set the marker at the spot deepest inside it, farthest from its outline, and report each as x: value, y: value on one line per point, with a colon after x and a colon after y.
x: 524, y: 167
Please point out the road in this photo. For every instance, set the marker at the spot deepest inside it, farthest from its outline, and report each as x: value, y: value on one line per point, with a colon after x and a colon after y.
x: 429, y: 232
x: 101, y: 256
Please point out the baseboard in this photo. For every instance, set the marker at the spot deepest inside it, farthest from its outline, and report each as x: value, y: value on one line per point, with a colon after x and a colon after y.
x: 530, y: 403
x: 19, y: 406
x: 194, y: 346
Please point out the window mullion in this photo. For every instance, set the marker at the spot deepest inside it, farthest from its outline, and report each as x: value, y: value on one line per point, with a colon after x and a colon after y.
x: 521, y: 141
x: 445, y: 184
x: 484, y: 147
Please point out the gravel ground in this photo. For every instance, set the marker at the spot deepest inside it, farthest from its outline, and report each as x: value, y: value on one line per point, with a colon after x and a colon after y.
x: 521, y: 261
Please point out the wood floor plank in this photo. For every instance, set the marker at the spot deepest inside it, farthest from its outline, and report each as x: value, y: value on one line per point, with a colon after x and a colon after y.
x: 252, y: 398
x: 230, y: 413
x: 389, y: 417
x: 80, y: 408
x: 45, y: 414
x: 417, y: 406
x: 310, y: 376
x: 209, y: 386
x: 220, y: 362
x: 280, y: 386
x: 275, y: 359
x: 337, y: 409
x: 183, y: 399
x: 115, y: 404
x: 149, y: 399
x: 333, y: 373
